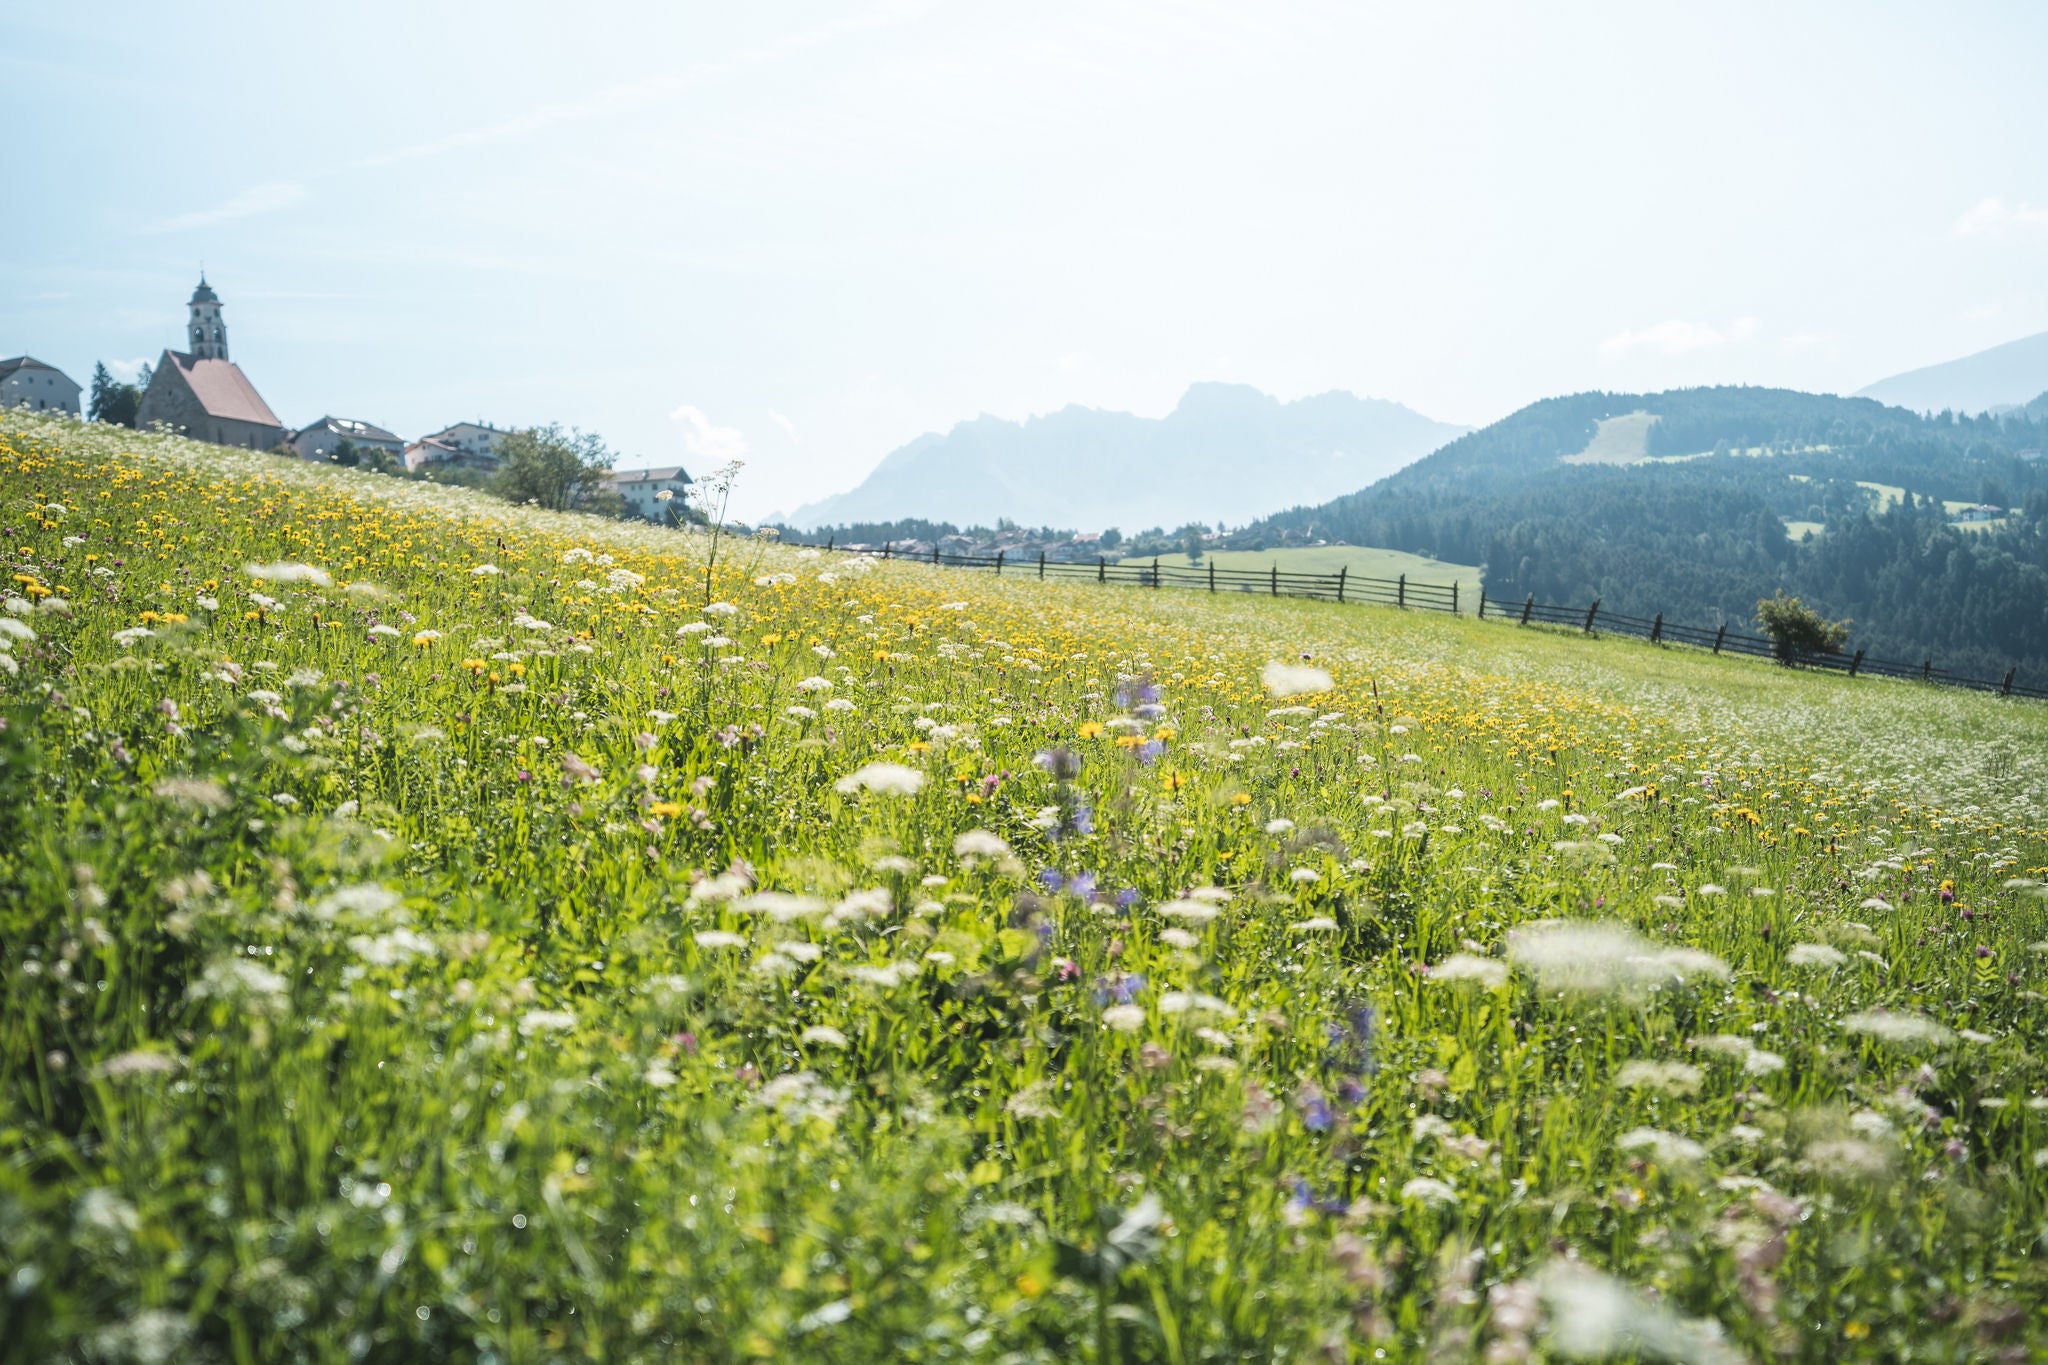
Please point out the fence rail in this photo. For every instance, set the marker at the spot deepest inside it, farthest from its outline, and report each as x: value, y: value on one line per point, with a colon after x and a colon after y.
x: 1343, y: 586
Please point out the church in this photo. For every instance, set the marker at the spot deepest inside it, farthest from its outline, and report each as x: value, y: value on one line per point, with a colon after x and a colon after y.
x: 201, y: 393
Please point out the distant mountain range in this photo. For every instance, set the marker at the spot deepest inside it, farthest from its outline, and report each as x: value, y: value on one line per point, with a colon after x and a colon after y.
x: 1227, y: 452
x: 2003, y: 377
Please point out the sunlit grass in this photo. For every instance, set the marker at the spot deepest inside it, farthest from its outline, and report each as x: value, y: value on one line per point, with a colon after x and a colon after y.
x: 434, y: 929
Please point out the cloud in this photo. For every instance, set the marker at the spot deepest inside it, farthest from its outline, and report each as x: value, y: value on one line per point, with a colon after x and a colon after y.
x: 703, y: 441
x: 788, y: 427
x: 1071, y: 361
x: 1675, y: 336
x: 268, y: 198
x: 1795, y: 342
x: 1993, y: 217
x: 127, y: 371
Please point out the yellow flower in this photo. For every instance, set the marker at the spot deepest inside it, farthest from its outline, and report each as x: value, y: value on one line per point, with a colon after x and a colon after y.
x: 1241, y: 799
x: 1091, y: 730
x: 1165, y: 732
x: 667, y: 810
x: 1173, y: 782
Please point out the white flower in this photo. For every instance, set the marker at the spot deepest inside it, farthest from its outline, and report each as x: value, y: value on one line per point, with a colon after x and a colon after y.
x: 1903, y: 1030
x: 1124, y: 1018
x: 721, y: 609
x: 1189, y: 909
x: 381, y: 629
x: 288, y: 573
x: 980, y: 843
x: 1279, y: 826
x: 1815, y: 955
x: 1595, y: 958
x: 814, y: 684
x: 781, y: 906
x: 1194, y: 1002
x: 1291, y: 680
x: 839, y: 704
x: 1176, y: 937
x: 1317, y: 924
x: 823, y: 1035
x: 123, y: 638
x: 1429, y: 1190
x: 1669, y: 1148
x: 546, y: 1021
x: 1304, y: 875
x: 1674, y: 1078
x: 485, y: 570
x: 717, y: 938
x: 1488, y: 972
x: 659, y: 1076
x: 885, y: 779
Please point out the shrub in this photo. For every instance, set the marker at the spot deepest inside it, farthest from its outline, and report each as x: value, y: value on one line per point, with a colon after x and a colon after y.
x: 1796, y: 628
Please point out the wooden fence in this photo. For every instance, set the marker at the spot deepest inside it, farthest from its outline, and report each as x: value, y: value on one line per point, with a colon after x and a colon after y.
x: 1343, y: 586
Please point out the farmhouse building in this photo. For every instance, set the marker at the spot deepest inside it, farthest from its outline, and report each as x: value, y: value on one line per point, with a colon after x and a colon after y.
x: 318, y: 441
x: 26, y: 382
x: 466, y: 445
x: 201, y: 393
x: 643, y: 490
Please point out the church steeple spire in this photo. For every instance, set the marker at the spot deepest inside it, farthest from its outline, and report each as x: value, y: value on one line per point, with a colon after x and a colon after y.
x: 207, y: 334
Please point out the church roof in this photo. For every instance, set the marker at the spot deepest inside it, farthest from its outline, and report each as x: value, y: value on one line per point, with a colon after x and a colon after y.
x: 204, y: 293
x: 222, y: 389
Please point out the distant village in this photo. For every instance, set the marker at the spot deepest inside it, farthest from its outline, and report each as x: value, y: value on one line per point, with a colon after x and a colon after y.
x: 200, y: 393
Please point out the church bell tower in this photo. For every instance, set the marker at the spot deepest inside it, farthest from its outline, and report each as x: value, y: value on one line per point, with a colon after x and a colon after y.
x: 207, y: 334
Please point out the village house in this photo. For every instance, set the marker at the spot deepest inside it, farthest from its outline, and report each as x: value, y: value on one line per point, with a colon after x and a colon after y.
x: 466, y: 445
x: 318, y: 441
x: 643, y: 490
x: 26, y: 382
x: 201, y: 393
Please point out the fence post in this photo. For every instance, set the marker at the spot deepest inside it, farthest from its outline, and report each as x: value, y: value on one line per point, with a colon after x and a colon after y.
x: 1528, y: 607
x: 1155, y: 571
x: 1657, y: 629
x: 1927, y: 671
x: 1101, y: 569
x: 1342, y: 570
x: 1276, y: 578
x: 1482, y: 601
x: 1401, y: 591
x: 1855, y: 663
x: 999, y: 563
x: 2005, y: 690
x: 887, y: 546
x: 1454, y: 599
x: 1719, y: 636
x: 1590, y: 613
x: 1212, y: 574
x: 935, y: 552
x: 829, y: 540
x: 1041, y: 563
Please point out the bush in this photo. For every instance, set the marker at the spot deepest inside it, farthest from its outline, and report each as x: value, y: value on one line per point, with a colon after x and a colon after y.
x: 1796, y: 628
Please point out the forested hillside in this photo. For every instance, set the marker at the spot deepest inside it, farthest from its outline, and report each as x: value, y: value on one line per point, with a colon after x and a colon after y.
x: 1696, y: 527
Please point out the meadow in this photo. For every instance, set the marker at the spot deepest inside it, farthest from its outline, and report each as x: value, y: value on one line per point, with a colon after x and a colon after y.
x: 432, y: 929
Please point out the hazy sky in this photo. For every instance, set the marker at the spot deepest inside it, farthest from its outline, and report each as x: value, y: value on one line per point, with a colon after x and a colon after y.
x: 806, y: 233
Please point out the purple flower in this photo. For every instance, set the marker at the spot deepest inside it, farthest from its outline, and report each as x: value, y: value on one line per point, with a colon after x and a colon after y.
x: 1083, y: 821
x: 1149, y: 751
x: 1316, y: 1114
x: 1062, y: 763
x: 1051, y: 880
x: 1082, y: 884
x: 1126, y: 898
x: 1118, y: 988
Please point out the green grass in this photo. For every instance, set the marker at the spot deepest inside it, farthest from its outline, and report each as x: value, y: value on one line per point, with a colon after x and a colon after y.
x: 432, y: 929
x: 1363, y: 561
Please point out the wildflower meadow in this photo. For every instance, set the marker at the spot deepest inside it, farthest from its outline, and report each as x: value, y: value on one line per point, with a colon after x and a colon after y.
x: 433, y: 929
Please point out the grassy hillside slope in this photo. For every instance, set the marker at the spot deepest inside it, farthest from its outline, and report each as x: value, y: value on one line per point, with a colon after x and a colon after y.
x: 438, y: 930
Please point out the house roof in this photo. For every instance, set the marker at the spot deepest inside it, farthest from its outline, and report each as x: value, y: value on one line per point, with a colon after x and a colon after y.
x: 672, y: 474
x: 351, y: 428
x: 223, y: 390
x: 453, y: 426
x: 27, y: 362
